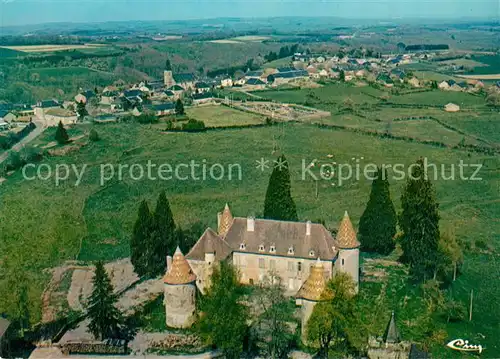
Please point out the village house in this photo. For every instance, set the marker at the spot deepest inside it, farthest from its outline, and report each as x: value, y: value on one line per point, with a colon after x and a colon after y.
x: 53, y: 116
x: 451, y: 107
x: 43, y: 106
x: 202, y: 98
x: 184, y: 80
x: 414, y: 82
x: 201, y: 87
x: 281, y: 78
x: 162, y: 109
x: 84, y: 96
x: 109, y: 97
x: 254, y: 84
x: 177, y: 90
x: 7, y: 117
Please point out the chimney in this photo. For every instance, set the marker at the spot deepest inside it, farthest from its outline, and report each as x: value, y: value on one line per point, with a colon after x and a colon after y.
x: 169, y: 262
x: 219, y: 216
x: 250, y: 224
x: 308, y: 228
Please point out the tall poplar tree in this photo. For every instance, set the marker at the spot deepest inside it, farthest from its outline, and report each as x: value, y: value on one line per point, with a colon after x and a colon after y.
x: 163, y: 240
x: 140, y: 240
x: 419, y: 222
x: 279, y: 203
x: 377, y: 225
x: 105, y: 318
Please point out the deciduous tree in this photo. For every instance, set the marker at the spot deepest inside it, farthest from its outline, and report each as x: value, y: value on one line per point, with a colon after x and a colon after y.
x: 274, y: 325
x: 223, y: 321
x: 328, y: 326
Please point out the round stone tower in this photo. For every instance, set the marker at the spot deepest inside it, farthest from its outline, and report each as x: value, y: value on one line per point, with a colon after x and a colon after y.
x: 310, y: 294
x: 180, y: 293
x: 348, y: 260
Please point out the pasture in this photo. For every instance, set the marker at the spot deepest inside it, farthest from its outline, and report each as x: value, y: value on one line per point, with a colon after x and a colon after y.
x: 52, y: 48
x: 217, y: 116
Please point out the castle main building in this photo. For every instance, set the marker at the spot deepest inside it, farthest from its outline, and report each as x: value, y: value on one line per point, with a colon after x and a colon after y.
x: 257, y: 247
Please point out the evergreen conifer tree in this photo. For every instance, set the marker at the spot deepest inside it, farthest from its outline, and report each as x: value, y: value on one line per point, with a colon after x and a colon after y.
x: 61, y: 134
x: 81, y: 110
x: 279, y: 203
x: 164, y: 240
x: 105, y: 318
x: 140, y: 240
x: 179, y: 107
x: 419, y: 222
x: 377, y: 225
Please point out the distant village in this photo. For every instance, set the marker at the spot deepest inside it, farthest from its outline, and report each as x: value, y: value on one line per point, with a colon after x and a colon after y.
x: 158, y: 97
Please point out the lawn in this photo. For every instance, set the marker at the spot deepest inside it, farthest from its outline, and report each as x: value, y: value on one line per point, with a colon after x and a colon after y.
x: 218, y: 115
x: 440, y: 98
x: 88, y: 222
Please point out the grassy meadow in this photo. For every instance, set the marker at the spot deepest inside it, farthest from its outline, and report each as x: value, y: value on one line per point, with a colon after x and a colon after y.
x: 220, y: 116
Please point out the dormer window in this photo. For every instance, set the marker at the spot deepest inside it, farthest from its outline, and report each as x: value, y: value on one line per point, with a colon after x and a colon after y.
x: 262, y: 248
x: 311, y: 253
x: 243, y: 246
x: 272, y: 249
x: 290, y: 250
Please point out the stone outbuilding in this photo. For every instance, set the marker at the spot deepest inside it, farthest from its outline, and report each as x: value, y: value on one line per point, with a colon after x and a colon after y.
x: 179, y: 293
x: 390, y: 346
x: 451, y: 107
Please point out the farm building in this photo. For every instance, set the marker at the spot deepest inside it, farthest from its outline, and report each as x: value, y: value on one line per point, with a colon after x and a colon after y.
x: 163, y: 109
x: 43, y: 106
x: 201, y: 98
x: 451, y: 107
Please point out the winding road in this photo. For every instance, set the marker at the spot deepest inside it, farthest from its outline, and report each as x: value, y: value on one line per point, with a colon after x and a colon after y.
x: 40, y: 127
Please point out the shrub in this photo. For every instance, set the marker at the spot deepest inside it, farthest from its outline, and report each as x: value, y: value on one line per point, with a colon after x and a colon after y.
x: 194, y: 125
x: 94, y: 136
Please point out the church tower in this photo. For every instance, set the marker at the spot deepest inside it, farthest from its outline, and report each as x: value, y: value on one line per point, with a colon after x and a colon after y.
x: 348, y: 260
x: 168, y: 79
x: 180, y: 293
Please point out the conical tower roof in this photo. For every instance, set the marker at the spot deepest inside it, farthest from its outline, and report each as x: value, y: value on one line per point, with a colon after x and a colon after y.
x: 346, y: 236
x: 180, y: 271
x: 226, y: 220
x: 315, y: 284
x: 392, y: 333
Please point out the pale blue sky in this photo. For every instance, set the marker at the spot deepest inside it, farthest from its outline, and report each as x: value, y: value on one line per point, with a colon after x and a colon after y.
x: 17, y: 12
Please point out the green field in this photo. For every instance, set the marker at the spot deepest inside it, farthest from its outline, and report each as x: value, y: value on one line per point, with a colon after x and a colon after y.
x: 217, y: 116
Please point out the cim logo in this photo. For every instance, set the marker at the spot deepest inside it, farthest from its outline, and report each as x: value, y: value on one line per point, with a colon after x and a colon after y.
x: 464, y: 346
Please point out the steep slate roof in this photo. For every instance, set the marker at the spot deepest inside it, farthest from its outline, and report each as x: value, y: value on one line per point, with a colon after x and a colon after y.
x: 209, y: 242
x: 391, y: 334
x: 201, y: 85
x: 168, y: 93
x: 49, y: 103
x: 132, y: 93
x: 416, y: 353
x: 286, y: 69
x: 185, y: 77
x: 254, y: 81
x: 315, y: 284
x: 175, y: 88
x: 163, y: 106
x: 4, y: 325
x: 180, y: 271
x: 282, y: 235
x: 346, y: 236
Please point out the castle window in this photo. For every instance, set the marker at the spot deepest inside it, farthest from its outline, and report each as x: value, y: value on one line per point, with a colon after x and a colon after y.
x: 290, y: 250
x: 272, y: 264
x: 299, y: 266
x: 272, y: 249
x: 243, y: 246
x: 262, y: 263
x: 262, y: 248
x: 342, y: 261
x: 311, y: 253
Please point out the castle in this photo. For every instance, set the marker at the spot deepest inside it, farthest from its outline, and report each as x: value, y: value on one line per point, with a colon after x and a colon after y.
x: 303, y: 254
